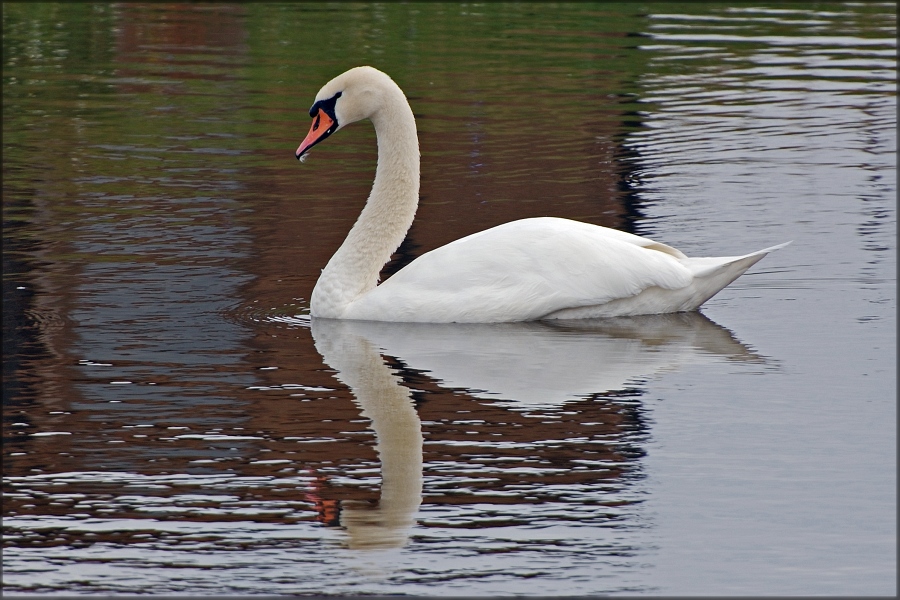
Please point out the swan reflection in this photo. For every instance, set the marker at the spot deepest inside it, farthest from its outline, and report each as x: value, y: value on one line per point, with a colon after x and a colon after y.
x: 547, y: 362
x: 398, y: 432
x: 529, y: 364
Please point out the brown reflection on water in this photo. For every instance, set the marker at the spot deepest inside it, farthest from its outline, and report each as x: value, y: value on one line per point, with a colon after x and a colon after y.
x: 47, y: 381
x: 179, y: 29
x: 474, y: 452
x: 276, y: 412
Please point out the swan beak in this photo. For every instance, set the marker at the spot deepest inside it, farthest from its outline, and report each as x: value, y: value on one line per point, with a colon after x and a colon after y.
x: 322, y: 126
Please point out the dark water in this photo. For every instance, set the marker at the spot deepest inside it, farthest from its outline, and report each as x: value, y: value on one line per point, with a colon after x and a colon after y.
x: 174, y: 422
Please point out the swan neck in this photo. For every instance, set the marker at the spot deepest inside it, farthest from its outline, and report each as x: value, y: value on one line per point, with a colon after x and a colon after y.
x: 387, y: 216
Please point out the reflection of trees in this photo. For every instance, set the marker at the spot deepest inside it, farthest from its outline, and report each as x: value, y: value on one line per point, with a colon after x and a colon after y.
x: 40, y: 63
x: 91, y: 183
x: 120, y: 120
x: 166, y: 132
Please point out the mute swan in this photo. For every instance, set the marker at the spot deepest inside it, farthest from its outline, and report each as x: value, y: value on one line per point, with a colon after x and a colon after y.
x: 526, y: 270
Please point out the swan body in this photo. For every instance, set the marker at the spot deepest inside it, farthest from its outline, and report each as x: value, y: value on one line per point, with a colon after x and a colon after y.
x: 525, y: 270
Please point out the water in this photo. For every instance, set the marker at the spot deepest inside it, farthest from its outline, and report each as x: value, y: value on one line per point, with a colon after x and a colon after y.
x: 173, y: 421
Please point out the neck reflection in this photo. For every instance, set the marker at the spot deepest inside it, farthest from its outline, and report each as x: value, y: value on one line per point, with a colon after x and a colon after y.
x: 398, y: 432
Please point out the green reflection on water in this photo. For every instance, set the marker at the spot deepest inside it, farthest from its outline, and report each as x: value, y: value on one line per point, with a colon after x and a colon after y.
x: 117, y: 109
x: 154, y: 101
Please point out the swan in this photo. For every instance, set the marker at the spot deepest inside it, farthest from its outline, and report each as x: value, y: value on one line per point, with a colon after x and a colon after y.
x: 525, y: 270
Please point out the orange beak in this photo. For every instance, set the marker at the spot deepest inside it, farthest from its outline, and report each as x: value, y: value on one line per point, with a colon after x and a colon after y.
x: 322, y: 127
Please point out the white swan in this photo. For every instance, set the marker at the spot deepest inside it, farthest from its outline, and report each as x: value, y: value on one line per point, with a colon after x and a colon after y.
x: 539, y: 268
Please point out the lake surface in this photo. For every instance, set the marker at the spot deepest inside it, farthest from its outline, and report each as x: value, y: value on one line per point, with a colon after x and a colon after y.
x: 175, y: 422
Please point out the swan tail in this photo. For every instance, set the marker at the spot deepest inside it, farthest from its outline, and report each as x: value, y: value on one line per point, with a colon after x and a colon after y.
x: 702, y: 268
x: 711, y: 275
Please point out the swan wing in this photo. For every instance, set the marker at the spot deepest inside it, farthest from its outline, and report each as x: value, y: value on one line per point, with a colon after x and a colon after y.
x: 522, y: 271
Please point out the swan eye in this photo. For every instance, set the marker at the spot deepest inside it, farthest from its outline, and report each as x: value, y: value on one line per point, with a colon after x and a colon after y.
x: 326, y: 105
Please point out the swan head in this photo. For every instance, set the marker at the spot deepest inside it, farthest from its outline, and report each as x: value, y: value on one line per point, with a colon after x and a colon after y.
x: 351, y: 96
